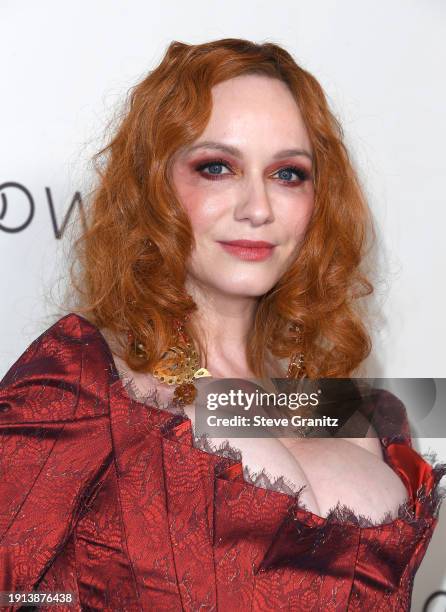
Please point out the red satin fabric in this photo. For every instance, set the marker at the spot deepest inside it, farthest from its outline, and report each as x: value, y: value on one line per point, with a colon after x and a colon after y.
x: 108, y: 498
x: 414, y: 472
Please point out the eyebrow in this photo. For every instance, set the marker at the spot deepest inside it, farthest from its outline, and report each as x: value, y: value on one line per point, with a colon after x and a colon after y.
x: 211, y: 144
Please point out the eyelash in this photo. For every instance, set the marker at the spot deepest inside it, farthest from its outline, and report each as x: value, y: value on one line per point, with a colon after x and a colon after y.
x: 302, y: 174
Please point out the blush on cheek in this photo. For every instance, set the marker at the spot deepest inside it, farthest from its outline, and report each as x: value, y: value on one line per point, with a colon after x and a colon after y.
x: 188, y: 197
x: 184, y: 184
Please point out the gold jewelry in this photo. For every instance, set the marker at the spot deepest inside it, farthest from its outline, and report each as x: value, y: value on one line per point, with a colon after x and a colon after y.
x: 297, y: 359
x: 180, y: 365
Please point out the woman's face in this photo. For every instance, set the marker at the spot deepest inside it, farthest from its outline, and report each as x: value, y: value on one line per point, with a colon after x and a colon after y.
x: 248, y: 178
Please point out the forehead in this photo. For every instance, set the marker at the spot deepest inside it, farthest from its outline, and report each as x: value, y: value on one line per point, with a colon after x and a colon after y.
x: 256, y: 107
x: 246, y: 87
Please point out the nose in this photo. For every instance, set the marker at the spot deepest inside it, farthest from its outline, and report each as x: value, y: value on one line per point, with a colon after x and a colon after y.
x: 253, y: 204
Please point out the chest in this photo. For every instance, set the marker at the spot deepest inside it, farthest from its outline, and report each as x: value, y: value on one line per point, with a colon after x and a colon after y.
x: 331, y: 471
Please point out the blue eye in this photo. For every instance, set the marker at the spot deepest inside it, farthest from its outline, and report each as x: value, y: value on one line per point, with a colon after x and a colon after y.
x: 289, y: 171
x: 214, y: 168
x: 214, y: 171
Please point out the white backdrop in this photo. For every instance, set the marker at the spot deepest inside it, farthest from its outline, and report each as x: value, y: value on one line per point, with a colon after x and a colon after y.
x: 66, y: 68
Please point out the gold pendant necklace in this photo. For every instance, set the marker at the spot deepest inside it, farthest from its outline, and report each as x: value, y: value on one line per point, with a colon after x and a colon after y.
x: 180, y: 366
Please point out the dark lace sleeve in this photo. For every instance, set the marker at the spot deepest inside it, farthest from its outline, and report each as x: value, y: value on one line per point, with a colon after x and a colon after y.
x: 53, y: 449
x: 389, y: 416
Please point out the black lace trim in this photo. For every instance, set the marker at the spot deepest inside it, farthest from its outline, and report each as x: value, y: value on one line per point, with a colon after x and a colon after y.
x: 340, y: 513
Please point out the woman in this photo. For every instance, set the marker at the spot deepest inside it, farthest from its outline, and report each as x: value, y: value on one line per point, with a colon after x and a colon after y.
x: 226, y: 238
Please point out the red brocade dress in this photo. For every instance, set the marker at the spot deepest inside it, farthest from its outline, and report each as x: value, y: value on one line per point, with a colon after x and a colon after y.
x: 108, y: 498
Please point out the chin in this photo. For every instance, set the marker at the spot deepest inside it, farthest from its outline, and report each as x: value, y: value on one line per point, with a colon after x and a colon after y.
x: 244, y: 287
x: 228, y: 281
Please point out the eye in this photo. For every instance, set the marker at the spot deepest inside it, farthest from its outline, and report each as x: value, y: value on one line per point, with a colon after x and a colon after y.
x: 214, y: 168
x: 286, y: 174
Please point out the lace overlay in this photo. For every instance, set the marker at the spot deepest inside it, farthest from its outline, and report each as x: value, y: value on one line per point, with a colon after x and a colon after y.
x: 106, y: 497
x: 340, y: 513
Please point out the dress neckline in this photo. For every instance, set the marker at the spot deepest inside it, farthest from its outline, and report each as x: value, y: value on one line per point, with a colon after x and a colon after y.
x: 422, y: 497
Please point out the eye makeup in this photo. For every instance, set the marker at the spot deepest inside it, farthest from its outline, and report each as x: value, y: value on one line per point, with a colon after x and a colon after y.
x: 200, y: 167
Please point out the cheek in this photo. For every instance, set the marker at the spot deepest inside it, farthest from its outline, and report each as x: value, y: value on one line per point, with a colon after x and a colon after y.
x: 307, y: 213
x: 201, y: 206
x: 298, y: 214
x: 190, y: 197
x: 201, y: 210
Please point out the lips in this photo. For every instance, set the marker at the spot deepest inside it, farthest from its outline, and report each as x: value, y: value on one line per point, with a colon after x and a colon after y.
x: 249, y: 250
x: 252, y: 244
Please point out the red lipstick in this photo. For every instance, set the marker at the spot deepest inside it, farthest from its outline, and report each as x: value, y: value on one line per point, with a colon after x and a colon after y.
x: 248, y: 250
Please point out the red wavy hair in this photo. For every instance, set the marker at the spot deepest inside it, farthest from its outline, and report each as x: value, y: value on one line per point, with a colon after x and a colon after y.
x: 133, y: 249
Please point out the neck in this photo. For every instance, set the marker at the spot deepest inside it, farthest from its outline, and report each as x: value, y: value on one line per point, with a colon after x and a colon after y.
x: 223, y: 322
